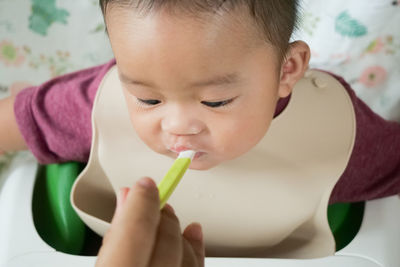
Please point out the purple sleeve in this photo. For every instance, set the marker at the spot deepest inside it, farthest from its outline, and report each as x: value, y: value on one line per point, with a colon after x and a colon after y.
x: 55, y: 117
x: 374, y: 167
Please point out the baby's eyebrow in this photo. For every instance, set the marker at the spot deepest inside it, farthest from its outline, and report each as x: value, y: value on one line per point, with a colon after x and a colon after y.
x: 129, y: 80
x: 217, y: 80
x: 214, y: 81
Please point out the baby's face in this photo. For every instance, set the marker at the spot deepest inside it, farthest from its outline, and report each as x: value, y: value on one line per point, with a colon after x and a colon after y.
x: 207, y: 85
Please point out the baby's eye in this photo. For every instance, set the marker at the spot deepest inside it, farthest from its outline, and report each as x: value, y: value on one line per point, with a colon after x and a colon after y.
x: 217, y: 104
x: 150, y: 102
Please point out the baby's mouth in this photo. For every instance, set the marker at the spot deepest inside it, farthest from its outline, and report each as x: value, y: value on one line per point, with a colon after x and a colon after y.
x: 196, y: 156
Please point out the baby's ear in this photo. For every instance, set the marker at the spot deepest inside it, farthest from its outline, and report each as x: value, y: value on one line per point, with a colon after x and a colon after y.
x: 293, y: 67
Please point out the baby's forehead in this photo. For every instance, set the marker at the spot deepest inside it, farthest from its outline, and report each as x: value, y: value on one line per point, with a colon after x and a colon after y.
x: 236, y: 25
x: 230, y: 18
x: 183, y: 46
x: 269, y: 21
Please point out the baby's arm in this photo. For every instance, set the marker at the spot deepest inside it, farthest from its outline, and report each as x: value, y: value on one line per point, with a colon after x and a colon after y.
x: 10, y: 136
x: 373, y: 170
x: 53, y: 119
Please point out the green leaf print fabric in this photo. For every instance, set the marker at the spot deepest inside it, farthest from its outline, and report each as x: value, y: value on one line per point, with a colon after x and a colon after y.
x: 45, y: 13
x: 348, y: 26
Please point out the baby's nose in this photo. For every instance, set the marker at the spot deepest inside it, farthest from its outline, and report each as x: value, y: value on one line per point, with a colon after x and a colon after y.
x: 182, y: 124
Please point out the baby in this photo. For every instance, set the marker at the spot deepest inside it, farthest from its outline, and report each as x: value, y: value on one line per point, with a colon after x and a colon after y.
x: 203, y: 75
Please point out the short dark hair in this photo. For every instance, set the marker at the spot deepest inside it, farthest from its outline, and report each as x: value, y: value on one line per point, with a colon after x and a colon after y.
x: 276, y: 18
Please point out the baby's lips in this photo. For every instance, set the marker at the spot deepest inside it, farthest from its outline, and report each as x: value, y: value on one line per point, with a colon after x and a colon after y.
x: 179, y: 149
x: 198, y: 154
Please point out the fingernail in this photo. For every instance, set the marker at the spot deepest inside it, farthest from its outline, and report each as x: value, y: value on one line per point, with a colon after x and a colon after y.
x: 147, y: 183
x: 196, y: 232
x: 123, y: 194
x: 121, y: 197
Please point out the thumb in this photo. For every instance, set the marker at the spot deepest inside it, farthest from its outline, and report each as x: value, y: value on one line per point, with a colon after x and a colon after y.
x: 194, y: 235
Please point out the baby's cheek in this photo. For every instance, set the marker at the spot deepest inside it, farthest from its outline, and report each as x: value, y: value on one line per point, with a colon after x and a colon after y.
x: 235, y: 140
x: 247, y: 135
x: 148, y: 130
x: 150, y: 137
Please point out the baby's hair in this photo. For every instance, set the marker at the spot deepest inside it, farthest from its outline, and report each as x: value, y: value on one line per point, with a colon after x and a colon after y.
x: 276, y: 18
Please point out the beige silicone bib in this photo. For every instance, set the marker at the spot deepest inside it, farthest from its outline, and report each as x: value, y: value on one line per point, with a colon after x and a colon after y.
x: 269, y: 202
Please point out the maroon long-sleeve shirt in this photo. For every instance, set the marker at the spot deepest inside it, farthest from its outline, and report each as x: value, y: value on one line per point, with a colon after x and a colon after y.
x: 55, y: 121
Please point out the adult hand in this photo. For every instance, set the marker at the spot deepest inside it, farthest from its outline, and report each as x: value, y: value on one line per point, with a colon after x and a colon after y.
x: 142, y: 236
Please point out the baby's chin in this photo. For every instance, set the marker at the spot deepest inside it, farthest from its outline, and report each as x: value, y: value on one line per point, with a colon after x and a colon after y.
x: 201, y: 167
x: 203, y: 164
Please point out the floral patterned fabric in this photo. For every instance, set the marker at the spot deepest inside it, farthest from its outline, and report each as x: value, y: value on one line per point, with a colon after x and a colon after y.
x: 41, y: 39
x: 358, y: 39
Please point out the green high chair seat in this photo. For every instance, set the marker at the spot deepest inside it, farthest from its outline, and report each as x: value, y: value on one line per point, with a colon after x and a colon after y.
x: 60, y: 227
x: 55, y: 220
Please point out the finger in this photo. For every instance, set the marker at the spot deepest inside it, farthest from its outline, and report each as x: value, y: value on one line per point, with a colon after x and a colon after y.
x: 121, y: 198
x: 133, y: 231
x: 168, y: 248
x: 189, y: 258
x: 194, y: 235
